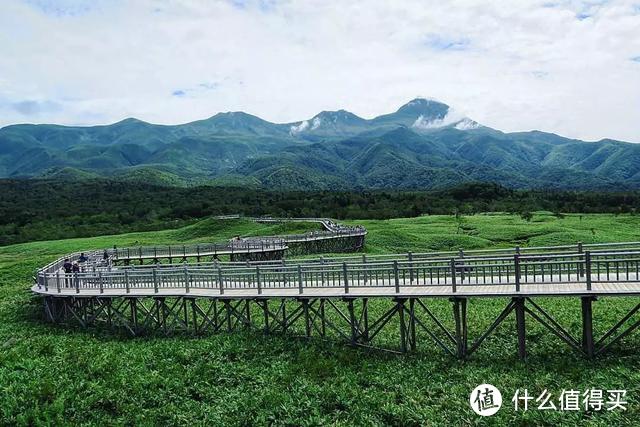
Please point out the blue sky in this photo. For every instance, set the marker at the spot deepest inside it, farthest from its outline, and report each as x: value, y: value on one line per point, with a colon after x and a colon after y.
x: 567, y: 66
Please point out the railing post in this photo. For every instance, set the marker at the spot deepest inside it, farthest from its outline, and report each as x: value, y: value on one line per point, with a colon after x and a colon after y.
x: 410, y: 258
x: 364, y: 267
x: 46, y: 282
x: 453, y: 275
x: 155, y: 280
x: 587, y: 261
x: 580, y: 266
x: 299, y: 279
x: 126, y: 280
x: 346, y: 279
x: 396, y: 277
x: 186, y: 279
x: 100, y: 281
x: 220, y: 282
x: 58, y: 280
x: 516, y: 270
x: 258, y: 280
x: 77, y: 282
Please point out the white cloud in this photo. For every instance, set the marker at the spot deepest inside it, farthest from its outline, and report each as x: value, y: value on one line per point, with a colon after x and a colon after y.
x: 563, y: 66
x: 317, y: 121
x: 295, y: 129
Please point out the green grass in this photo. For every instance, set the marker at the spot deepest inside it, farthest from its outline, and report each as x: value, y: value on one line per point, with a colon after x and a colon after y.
x: 56, y: 375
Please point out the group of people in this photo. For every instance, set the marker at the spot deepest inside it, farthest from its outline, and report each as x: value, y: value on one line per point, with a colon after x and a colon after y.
x: 74, y: 267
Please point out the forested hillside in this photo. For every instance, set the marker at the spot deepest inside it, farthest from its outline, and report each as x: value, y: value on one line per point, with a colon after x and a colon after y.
x: 421, y: 146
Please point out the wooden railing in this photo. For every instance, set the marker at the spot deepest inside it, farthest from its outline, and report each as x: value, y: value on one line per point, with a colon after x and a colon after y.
x: 331, y: 230
x: 516, y: 268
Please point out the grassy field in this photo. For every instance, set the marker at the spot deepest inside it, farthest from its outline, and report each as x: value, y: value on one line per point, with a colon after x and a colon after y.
x: 55, y: 375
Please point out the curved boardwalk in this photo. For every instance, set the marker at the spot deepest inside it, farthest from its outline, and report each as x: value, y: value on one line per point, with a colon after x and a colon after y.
x: 331, y: 296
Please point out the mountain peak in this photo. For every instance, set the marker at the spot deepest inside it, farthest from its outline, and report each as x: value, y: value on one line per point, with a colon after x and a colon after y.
x: 425, y: 107
x: 338, y: 116
x: 330, y: 123
x: 416, y: 109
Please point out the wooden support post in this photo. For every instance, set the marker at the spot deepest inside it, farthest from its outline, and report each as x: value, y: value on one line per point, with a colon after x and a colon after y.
x: 364, y: 267
x: 126, y: 281
x: 453, y: 275
x: 412, y: 324
x: 460, y: 317
x: 265, y: 309
x: 396, y: 276
x: 352, y: 321
x: 155, y: 280
x: 364, y: 335
x: 587, y: 327
x: 516, y: 271
x: 227, y: 306
x: 520, y: 326
x: 403, y: 325
x: 194, y: 315
x: 345, y: 278
x: 587, y: 262
x: 307, y: 319
x: 285, y: 326
x: 133, y: 303
x: 580, y: 266
x: 258, y: 284
x: 300, y: 279
x: 220, y: 282
x: 323, y: 319
x: 410, y: 258
x: 247, y: 312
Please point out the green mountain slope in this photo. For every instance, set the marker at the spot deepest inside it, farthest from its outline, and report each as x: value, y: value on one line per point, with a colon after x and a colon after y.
x: 420, y: 146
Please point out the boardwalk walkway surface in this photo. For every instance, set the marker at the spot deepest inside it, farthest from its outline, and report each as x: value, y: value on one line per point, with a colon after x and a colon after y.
x: 113, y: 290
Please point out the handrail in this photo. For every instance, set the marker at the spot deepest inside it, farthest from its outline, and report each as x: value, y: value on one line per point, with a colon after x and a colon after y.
x: 576, y: 268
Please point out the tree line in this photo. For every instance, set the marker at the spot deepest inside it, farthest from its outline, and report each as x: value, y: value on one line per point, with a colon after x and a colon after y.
x: 49, y: 209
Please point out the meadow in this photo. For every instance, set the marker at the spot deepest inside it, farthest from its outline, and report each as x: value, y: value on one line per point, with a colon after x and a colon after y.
x: 67, y: 375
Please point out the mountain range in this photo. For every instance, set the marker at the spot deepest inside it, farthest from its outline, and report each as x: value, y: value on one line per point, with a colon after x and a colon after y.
x: 422, y: 145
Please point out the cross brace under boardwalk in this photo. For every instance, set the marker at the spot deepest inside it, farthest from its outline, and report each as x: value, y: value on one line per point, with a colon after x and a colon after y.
x: 392, y: 324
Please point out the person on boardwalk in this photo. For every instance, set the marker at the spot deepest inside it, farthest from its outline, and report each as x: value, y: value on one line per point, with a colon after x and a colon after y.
x: 83, y: 258
x: 75, y: 269
x: 68, y: 269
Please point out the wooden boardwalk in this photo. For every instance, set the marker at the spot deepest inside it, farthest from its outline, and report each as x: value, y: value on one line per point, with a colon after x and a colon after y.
x: 220, y: 295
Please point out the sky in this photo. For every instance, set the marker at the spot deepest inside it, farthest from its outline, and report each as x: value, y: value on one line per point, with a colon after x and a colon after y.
x: 566, y: 66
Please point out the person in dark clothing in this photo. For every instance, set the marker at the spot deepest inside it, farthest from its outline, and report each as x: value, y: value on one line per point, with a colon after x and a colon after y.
x: 75, y: 268
x: 83, y: 258
x: 68, y: 269
x: 105, y: 255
